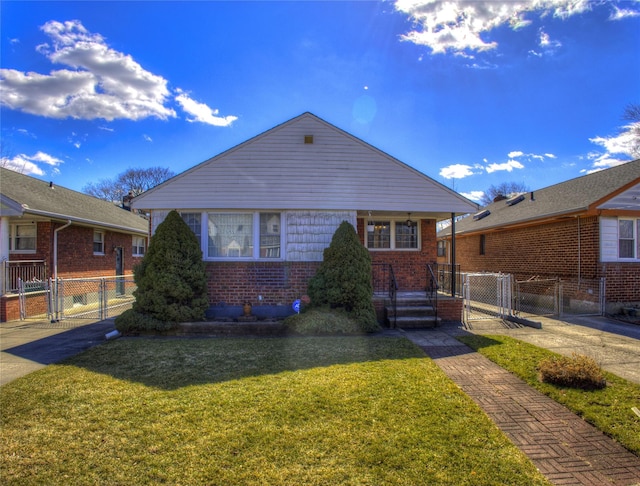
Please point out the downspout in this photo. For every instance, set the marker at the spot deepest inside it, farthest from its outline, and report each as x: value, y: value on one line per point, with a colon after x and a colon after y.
x: 579, y: 257
x: 55, y: 266
x: 453, y: 255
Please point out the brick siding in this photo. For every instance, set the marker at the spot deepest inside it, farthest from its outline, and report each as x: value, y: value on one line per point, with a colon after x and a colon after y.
x: 547, y: 251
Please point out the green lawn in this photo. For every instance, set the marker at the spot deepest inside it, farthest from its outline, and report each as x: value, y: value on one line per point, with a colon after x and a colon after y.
x: 608, y: 409
x: 294, y: 411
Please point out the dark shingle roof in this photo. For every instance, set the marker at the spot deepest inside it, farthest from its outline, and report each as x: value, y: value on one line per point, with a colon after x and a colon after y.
x: 570, y: 197
x: 37, y: 197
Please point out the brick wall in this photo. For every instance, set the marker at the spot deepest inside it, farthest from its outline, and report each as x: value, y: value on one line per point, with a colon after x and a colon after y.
x: 550, y: 250
x: 75, y: 259
x: 409, y: 266
x: 278, y: 283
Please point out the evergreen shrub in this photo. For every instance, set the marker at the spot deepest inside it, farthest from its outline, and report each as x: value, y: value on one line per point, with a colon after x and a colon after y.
x: 343, y: 280
x: 171, y: 281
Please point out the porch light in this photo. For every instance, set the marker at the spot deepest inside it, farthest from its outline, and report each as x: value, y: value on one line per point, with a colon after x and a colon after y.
x: 370, y: 226
x: 409, y: 222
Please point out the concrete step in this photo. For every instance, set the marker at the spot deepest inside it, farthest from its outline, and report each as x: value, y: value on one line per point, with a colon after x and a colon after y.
x: 423, y: 322
x: 411, y: 310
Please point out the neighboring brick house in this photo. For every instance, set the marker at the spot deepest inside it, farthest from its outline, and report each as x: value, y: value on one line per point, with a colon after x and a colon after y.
x: 265, y: 210
x: 48, y: 231
x: 580, y: 231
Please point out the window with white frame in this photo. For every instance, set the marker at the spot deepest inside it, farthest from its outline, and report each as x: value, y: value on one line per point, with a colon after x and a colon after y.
x: 194, y: 222
x: 98, y: 243
x: 392, y: 235
x: 22, y: 238
x: 627, y: 236
x: 139, y: 245
x: 244, y: 235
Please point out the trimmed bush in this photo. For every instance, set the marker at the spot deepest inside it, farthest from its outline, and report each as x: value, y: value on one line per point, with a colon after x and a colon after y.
x: 343, y: 279
x: 322, y: 321
x: 171, y: 281
x: 578, y: 371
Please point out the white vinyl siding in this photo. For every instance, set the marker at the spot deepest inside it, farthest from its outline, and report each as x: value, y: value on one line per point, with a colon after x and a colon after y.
x: 277, y: 169
x: 619, y: 239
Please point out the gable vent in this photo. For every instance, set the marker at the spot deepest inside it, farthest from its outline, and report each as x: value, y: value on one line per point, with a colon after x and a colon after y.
x: 308, y: 139
x: 515, y: 200
x: 481, y: 214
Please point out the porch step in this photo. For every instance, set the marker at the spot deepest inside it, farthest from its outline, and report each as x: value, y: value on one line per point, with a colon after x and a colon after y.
x: 412, y: 312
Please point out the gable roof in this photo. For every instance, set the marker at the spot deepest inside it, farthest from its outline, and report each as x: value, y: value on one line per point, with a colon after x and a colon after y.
x: 24, y: 195
x: 278, y: 170
x: 615, y: 189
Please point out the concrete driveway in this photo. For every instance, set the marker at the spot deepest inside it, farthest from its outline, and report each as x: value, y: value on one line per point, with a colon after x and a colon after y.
x: 29, y: 345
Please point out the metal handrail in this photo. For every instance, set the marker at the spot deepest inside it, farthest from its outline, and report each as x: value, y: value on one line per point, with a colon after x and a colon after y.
x: 393, y: 292
x: 25, y: 270
x: 432, y: 289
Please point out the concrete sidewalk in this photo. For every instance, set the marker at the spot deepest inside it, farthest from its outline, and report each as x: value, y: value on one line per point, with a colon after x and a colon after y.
x: 29, y: 345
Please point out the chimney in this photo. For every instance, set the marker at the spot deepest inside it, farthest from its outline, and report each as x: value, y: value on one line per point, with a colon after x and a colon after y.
x: 532, y: 198
x: 51, y: 185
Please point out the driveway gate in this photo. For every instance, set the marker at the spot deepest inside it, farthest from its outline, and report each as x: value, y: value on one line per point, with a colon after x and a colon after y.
x: 93, y: 298
x: 486, y: 295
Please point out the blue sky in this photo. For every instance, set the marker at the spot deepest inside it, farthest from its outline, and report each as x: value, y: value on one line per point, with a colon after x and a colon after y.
x: 472, y: 93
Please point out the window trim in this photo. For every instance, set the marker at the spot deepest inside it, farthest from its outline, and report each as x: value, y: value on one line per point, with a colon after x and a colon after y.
x: 13, y: 235
x: 135, y: 249
x: 635, y: 239
x: 255, y: 233
x: 102, y: 242
x: 392, y: 243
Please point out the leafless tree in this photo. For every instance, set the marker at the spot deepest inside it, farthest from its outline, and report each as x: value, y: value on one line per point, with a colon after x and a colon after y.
x: 502, y: 191
x: 131, y: 181
x: 632, y: 115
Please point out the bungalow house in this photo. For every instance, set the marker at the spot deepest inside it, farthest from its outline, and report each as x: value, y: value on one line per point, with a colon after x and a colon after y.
x: 265, y: 210
x: 50, y: 231
x: 581, y: 231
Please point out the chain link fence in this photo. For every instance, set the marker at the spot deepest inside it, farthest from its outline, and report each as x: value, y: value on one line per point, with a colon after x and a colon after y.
x: 537, y: 297
x: 93, y: 298
x: 486, y: 295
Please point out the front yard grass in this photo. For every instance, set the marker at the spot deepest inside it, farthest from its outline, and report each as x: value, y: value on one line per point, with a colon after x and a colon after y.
x: 608, y: 409
x: 312, y: 411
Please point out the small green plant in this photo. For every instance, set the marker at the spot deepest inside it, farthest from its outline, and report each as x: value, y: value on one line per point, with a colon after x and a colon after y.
x: 577, y: 371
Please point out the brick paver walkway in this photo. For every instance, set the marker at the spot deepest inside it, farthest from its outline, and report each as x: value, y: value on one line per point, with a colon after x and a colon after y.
x: 565, y: 448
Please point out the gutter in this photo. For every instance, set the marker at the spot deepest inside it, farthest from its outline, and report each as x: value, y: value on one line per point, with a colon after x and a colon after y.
x: 88, y: 222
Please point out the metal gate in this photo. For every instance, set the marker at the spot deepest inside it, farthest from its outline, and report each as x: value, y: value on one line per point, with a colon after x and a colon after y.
x: 92, y: 298
x: 486, y: 296
x: 39, y: 292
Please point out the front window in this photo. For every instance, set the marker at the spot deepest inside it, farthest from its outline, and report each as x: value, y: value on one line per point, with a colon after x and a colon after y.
x: 392, y: 235
x: 270, y: 235
x: 230, y: 235
x: 193, y: 222
x: 442, y: 248
x: 139, y: 244
x: 98, y: 242
x: 626, y: 240
x: 23, y: 238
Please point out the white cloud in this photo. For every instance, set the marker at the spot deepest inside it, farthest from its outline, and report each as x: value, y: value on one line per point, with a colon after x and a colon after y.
x: 515, y: 153
x: 201, y: 112
x: 30, y: 164
x: 623, y: 13
x: 97, y: 82
x: 473, y: 195
x: 550, y: 156
x: 147, y: 138
x: 508, y: 166
x: 456, y: 26
x: 625, y: 144
x: 456, y: 171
